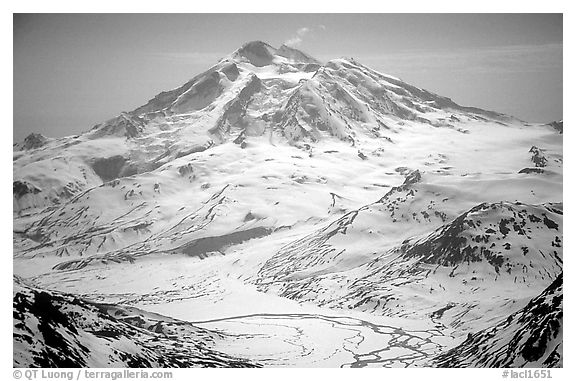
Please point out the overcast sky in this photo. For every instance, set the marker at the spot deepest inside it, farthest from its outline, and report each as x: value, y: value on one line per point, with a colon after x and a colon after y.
x: 74, y: 71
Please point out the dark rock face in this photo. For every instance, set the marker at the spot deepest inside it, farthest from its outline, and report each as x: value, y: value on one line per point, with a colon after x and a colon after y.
x: 531, y: 170
x: 558, y: 126
x: 185, y: 170
x: 531, y: 337
x: 538, y: 157
x: 412, y: 178
x: 21, y: 188
x: 200, y: 95
x: 231, y: 71
x: 33, y: 141
x: 109, y: 168
x: 127, y: 125
x: 258, y: 53
x: 310, y: 68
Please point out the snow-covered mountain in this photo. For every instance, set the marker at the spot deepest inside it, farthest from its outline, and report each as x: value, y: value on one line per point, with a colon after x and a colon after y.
x: 337, y: 201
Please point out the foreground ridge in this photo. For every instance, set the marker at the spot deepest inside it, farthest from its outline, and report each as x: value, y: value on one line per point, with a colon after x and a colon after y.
x: 531, y: 337
x: 58, y: 330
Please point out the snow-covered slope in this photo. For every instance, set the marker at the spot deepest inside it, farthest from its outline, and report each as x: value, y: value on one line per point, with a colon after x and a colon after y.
x: 450, y: 274
x: 276, y: 187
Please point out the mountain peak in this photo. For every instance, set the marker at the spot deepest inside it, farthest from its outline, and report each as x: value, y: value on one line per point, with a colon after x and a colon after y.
x: 260, y: 53
x: 257, y: 53
x: 32, y: 141
x: 256, y: 43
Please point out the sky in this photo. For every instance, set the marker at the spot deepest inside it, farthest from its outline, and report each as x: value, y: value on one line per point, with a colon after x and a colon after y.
x: 73, y: 71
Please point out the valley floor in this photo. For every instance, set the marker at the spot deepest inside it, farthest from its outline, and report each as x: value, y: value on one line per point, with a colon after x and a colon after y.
x: 267, y: 329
